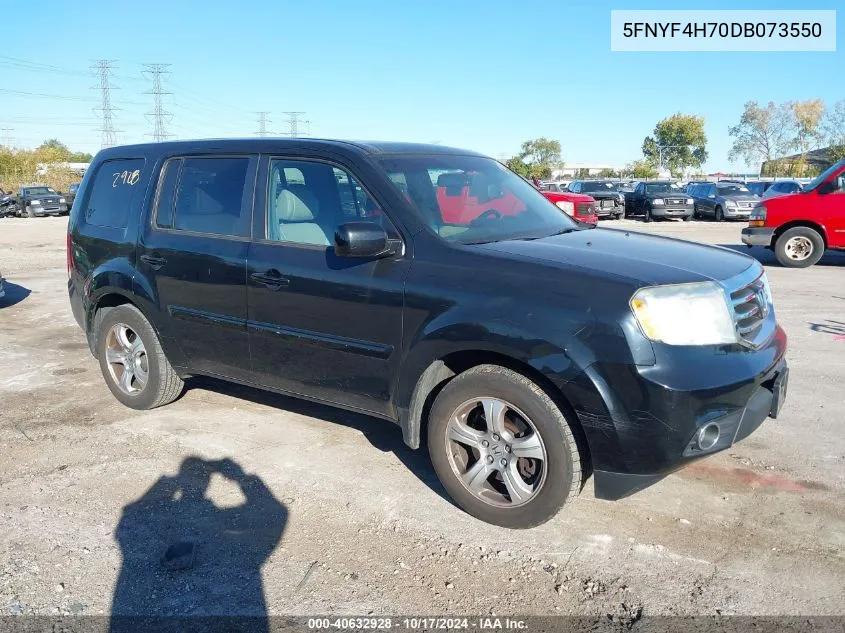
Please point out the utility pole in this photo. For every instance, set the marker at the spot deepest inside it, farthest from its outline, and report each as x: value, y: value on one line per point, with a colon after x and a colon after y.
x: 293, y: 123
x: 102, y: 69
x: 8, y: 139
x: 159, y: 115
x: 262, y: 123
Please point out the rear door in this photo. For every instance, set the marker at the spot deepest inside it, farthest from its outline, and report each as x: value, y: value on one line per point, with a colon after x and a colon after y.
x: 192, y: 259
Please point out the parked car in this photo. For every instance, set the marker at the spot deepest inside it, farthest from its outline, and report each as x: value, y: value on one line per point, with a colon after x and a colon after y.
x: 579, y: 206
x: 659, y: 199
x: 783, y: 188
x: 722, y: 200
x: 70, y: 196
x: 525, y: 349
x: 799, y: 227
x: 40, y: 200
x: 758, y: 187
x: 610, y: 202
x: 558, y: 187
x: 8, y: 204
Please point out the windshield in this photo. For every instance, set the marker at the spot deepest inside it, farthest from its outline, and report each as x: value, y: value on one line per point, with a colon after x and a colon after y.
x: 662, y: 187
x: 824, y: 175
x: 471, y: 200
x: 597, y: 186
x: 38, y: 191
x: 732, y: 190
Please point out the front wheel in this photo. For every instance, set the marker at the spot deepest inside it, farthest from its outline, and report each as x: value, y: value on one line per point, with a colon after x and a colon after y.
x: 30, y: 213
x: 647, y: 217
x: 502, y: 448
x: 720, y: 215
x: 799, y: 247
x: 132, y: 361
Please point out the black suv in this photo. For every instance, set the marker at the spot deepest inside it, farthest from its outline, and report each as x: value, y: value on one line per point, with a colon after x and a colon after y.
x: 659, y: 199
x: 610, y: 202
x: 527, y: 350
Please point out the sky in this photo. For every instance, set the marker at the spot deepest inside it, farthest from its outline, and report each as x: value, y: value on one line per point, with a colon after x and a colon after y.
x: 485, y: 75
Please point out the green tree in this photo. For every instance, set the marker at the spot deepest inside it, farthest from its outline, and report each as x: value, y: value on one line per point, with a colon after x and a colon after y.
x: 762, y: 133
x: 608, y: 173
x: 680, y: 141
x: 541, y: 152
x: 641, y: 169
x: 833, y: 128
x: 807, y: 119
x: 516, y: 165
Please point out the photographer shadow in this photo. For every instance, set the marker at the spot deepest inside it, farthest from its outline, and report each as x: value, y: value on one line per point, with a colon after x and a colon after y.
x: 189, y: 564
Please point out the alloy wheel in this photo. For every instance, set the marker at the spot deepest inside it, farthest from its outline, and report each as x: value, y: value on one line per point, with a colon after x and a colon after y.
x: 496, y: 452
x: 127, y: 360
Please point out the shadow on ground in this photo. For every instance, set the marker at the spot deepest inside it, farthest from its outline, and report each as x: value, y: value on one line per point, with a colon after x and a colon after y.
x: 14, y: 294
x: 383, y: 435
x: 186, y: 559
x: 767, y: 257
x: 835, y: 328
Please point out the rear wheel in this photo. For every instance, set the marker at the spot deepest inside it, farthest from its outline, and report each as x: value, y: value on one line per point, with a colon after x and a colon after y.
x: 502, y: 448
x: 132, y: 361
x: 799, y: 247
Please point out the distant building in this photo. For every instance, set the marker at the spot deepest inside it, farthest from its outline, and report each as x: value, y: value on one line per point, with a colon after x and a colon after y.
x: 78, y: 168
x: 580, y: 170
x: 814, y: 161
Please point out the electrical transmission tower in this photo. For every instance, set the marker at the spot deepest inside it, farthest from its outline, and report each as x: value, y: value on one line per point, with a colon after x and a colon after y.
x: 293, y: 122
x: 262, y: 123
x: 8, y: 139
x: 102, y: 69
x: 159, y: 115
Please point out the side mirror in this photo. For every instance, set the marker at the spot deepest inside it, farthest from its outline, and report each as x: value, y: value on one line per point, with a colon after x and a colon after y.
x: 361, y: 239
x: 828, y: 186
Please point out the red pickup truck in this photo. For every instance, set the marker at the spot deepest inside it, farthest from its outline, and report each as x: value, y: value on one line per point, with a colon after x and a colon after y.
x: 578, y: 205
x: 799, y: 227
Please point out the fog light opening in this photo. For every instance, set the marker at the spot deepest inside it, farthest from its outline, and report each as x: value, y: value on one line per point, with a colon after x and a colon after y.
x: 708, y: 436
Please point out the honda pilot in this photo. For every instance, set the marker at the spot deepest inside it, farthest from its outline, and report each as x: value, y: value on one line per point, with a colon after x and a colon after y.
x: 525, y: 349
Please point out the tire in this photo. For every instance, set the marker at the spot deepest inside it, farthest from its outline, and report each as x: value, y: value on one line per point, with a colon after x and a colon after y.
x: 799, y: 247
x: 720, y: 215
x: 30, y: 213
x: 647, y: 216
x: 620, y: 216
x: 687, y: 218
x: 162, y: 384
x: 557, y: 477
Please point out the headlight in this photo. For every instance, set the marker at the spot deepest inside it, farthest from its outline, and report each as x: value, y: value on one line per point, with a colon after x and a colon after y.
x: 730, y: 203
x: 689, y: 201
x: 657, y: 201
x: 684, y: 314
x: 61, y: 200
x: 568, y: 207
x: 757, y: 217
x: 35, y: 203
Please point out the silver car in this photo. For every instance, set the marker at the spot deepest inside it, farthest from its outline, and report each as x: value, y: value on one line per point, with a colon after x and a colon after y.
x: 722, y: 200
x: 782, y: 188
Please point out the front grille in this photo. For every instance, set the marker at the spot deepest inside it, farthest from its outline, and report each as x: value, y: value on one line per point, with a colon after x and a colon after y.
x: 676, y: 201
x: 751, y: 305
x: 585, y: 208
x: 606, y: 204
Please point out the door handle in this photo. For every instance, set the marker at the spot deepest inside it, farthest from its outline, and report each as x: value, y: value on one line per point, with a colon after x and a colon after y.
x: 273, y: 279
x: 155, y: 261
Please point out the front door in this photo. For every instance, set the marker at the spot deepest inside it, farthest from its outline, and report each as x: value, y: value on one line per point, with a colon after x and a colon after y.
x: 321, y: 326
x: 834, y: 211
x: 192, y: 254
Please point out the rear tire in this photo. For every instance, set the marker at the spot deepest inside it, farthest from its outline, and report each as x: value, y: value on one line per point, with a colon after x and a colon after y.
x: 132, y: 361
x: 799, y: 247
x: 518, y: 479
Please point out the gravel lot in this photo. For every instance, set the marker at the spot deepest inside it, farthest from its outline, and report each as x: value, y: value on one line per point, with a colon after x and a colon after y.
x: 315, y: 510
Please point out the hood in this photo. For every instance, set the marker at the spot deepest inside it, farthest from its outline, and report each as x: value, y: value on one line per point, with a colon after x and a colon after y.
x: 644, y: 259
x: 604, y: 195
x: 667, y: 194
x: 557, y: 196
x: 46, y: 197
x: 743, y: 197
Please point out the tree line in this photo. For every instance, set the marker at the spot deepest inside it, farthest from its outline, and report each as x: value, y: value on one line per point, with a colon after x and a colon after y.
x: 19, y: 167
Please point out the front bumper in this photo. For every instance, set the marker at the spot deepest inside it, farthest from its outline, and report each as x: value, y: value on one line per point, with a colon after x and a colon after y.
x: 671, y: 211
x: 644, y: 422
x: 757, y: 236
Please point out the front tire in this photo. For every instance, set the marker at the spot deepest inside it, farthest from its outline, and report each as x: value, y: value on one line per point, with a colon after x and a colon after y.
x: 720, y: 215
x: 132, y: 361
x: 799, y: 247
x: 518, y: 469
x: 647, y: 217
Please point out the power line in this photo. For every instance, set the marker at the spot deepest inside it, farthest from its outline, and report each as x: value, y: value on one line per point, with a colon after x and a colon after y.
x: 293, y: 123
x: 103, y: 69
x: 158, y: 114
x: 262, y: 123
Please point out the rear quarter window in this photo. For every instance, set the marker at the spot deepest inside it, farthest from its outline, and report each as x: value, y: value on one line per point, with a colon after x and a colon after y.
x: 117, y: 188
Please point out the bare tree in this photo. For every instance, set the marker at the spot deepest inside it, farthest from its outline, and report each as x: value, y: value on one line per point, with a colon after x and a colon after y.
x: 833, y: 129
x: 806, y: 118
x: 763, y: 133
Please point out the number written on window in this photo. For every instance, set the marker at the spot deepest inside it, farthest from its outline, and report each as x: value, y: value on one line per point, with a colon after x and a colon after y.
x: 126, y: 177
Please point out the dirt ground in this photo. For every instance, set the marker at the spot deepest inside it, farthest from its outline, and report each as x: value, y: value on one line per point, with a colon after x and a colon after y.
x: 235, y: 501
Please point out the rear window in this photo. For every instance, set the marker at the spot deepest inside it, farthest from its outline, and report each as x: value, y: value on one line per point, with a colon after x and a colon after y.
x: 115, y: 190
